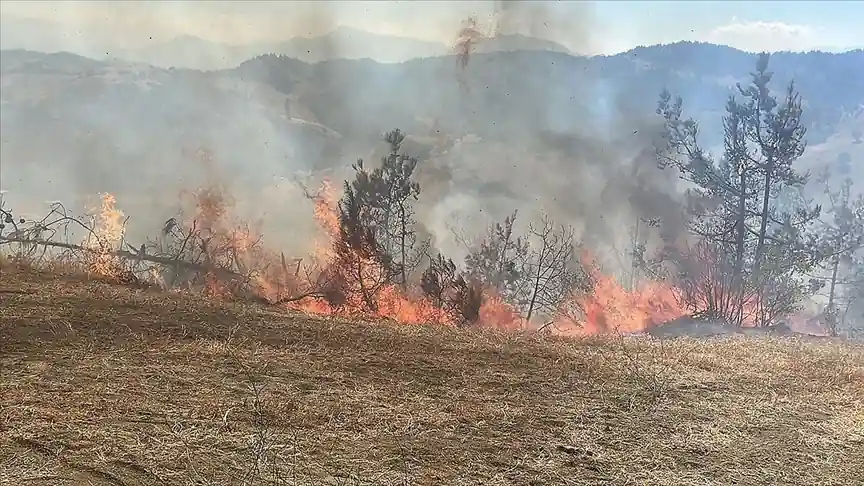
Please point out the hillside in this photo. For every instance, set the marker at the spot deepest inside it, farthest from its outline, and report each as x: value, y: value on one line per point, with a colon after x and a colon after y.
x: 67, y: 120
x: 103, y: 384
x: 191, y: 52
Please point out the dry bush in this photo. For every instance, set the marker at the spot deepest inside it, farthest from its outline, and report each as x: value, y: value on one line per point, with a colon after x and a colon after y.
x: 459, y: 296
x: 707, y: 285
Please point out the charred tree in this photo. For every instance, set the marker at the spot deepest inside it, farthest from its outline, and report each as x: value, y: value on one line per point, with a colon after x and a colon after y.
x: 553, y: 269
x: 449, y: 290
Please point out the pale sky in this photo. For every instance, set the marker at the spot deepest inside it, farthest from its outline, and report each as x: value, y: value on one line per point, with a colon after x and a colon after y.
x: 585, y: 27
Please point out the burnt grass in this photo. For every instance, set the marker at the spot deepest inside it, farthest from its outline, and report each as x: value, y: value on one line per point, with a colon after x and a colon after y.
x: 102, y: 384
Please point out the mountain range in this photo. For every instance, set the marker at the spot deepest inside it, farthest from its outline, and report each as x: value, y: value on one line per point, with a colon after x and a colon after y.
x: 196, y: 53
x: 76, y: 125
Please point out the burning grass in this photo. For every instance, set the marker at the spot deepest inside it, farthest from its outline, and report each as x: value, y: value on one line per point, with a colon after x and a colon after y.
x: 104, y: 384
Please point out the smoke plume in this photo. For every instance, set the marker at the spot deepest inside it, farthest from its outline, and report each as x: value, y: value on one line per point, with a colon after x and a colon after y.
x: 536, y: 131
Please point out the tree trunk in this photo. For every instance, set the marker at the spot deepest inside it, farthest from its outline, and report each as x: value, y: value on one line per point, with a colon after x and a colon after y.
x: 763, y: 225
x: 402, y: 246
x: 832, y: 311
x: 540, y: 264
x: 760, y: 244
x: 633, y: 256
x: 737, y: 290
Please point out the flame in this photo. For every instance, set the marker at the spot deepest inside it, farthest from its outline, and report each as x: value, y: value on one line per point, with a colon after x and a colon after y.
x: 391, y: 301
x: 612, y: 308
x: 497, y: 313
x: 468, y: 36
x: 228, y: 243
x: 108, y: 234
x: 326, y: 208
x: 608, y: 307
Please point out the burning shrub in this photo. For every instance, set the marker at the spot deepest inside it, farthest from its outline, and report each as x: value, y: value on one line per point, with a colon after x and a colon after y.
x: 707, y: 285
x: 209, y: 249
x: 538, y: 276
x: 360, y: 264
x: 374, y: 245
x: 498, y: 262
x: 449, y: 290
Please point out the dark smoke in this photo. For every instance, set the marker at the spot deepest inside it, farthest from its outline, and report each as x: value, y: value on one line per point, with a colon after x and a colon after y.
x: 135, y: 129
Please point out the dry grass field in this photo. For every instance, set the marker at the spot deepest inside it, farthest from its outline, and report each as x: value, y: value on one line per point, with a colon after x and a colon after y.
x: 109, y: 385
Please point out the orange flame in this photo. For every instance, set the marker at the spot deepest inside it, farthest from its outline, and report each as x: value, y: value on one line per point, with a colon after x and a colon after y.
x: 108, y: 232
x: 610, y: 307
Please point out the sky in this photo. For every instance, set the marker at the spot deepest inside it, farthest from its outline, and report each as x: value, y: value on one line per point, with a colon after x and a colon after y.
x: 584, y: 27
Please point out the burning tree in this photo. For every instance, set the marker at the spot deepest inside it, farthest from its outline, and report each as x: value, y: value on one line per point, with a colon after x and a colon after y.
x: 383, y: 199
x: 361, y: 267
x: 759, y: 248
x: 498, y: 262
x: 553, y: 270
x: 467, y: 38
x: 376, y: 249
x: 450, y: 290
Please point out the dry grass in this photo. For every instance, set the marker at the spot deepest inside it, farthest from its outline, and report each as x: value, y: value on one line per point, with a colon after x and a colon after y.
x: 102, y: 384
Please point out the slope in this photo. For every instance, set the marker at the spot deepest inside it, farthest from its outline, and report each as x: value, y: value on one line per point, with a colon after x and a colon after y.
x: 104, y: 384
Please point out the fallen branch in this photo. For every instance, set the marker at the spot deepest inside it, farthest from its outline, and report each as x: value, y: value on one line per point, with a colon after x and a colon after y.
x: 170, y: 262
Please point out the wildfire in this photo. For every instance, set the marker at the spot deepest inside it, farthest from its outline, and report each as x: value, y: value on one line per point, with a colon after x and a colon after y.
x: 108, y: 233
x: 497, y: 313
x: 327, y: 215
x: 610, y: 307
x: 229, y: 244
x: 467, y: 38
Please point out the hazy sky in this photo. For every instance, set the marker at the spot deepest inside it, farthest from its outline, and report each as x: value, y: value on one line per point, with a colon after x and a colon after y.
x: 587, y: 27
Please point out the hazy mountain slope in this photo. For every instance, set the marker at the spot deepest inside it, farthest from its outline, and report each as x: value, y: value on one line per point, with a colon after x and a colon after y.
x: 499, y: 95
x: 192, y: 52
x: 341, y: 43
x: 72, y: 125
x: 133, y: 130
x: 518, y: 42
x: 507, y: 93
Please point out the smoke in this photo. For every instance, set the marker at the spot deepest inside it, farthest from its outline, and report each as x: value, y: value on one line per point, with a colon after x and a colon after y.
x: 586, y: 157
x: 571, y: 23
x: 603, y: 188
x: 536, y: 131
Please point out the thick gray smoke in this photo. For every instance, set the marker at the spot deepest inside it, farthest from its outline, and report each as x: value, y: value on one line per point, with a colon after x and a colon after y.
x: 525, y: 132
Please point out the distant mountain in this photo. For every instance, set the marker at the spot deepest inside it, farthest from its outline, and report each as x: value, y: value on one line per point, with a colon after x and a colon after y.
x: 195, y: 53
x: 341, y: 43
x: 90, y: 125
x: 188, y: 52
x: 349, y: 43
x: 518, y: 42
